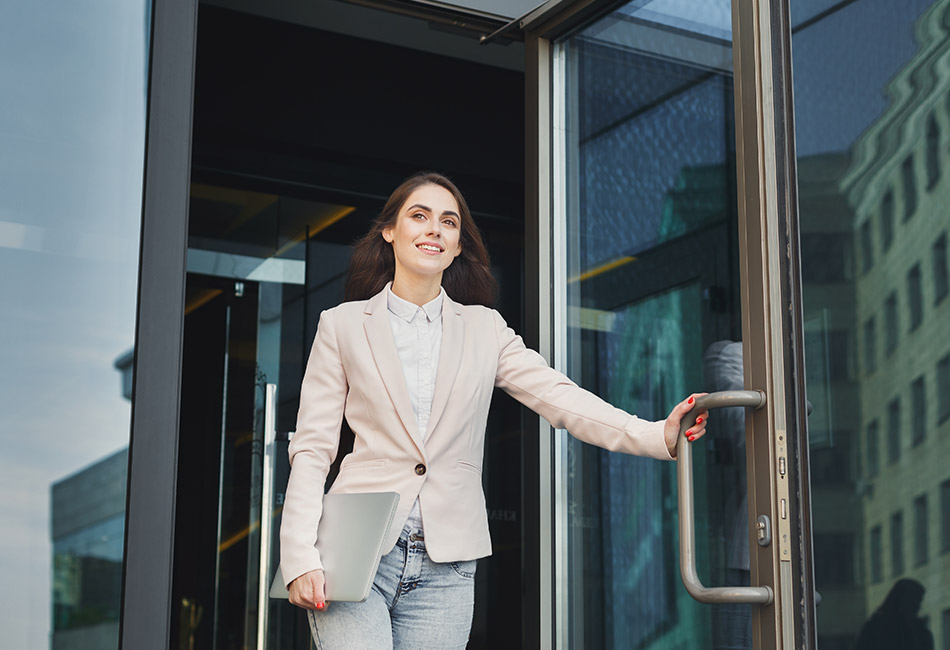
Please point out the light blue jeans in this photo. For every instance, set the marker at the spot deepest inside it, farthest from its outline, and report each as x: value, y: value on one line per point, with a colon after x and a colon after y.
x: 414, y: 603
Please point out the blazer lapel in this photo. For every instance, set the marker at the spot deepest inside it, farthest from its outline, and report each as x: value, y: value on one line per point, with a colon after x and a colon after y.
x: 450, y: 358
x: 379, y: 334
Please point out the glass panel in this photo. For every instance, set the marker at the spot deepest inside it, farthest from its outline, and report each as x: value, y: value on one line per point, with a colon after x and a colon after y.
x: 251, y: 306
x: 652, y: 312
x: 72, y: 138
x: 872, y: 133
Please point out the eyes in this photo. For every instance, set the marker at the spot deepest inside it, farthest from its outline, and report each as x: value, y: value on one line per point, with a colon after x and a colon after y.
x: 448, y: 221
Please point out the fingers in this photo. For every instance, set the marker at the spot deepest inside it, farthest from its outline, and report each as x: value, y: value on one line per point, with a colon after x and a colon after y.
x: 320, y: 602
x: 309, y: 591
x: 698, y: 429
x: 690, y: 402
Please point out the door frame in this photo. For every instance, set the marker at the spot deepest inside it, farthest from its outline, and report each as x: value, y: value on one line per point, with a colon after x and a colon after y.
x: 145, y: 617
x: 770, y: 285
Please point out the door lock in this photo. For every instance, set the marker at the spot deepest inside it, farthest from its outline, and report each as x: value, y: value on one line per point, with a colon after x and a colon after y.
x: 763, y: 530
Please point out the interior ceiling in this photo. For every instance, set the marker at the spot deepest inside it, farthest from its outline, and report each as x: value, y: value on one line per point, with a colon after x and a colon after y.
x: 504, y: 9
x: 234, y: 215
x: 386, y: 27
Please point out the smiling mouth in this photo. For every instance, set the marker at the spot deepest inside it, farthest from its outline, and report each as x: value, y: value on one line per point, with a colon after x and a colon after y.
x: 432, y: 248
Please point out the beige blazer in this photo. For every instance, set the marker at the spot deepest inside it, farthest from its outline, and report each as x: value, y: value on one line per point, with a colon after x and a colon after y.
x: 354, y: 372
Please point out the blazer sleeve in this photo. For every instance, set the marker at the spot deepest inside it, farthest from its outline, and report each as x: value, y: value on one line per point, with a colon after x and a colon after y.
x: 526, y: 376
x: 312, y: 450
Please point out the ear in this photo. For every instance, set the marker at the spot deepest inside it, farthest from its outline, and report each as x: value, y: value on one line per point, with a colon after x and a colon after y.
x: 388, y: 234
x: 458, y: 251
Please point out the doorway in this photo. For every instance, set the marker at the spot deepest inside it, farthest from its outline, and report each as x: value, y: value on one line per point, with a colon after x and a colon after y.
x: 299, y: 135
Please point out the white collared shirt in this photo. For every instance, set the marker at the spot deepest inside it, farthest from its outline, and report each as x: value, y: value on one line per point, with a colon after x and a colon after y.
x: 417, y: 332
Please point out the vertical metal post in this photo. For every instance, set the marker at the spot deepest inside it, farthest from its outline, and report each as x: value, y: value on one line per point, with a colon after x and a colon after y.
x: 145, y: 621
x: 771, y: 320
x: 538, y: 476
x: 267, y: 516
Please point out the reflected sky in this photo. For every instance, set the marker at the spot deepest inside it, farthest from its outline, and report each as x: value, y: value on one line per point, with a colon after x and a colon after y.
x: 71, y: 146
x: 842, y: 64
x: 710, y: 18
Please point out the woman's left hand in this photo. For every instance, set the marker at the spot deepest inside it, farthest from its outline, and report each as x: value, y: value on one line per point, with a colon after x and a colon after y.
x: 671, y: 430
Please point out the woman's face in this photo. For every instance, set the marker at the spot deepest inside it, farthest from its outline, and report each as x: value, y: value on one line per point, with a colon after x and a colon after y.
x: 426, y: 234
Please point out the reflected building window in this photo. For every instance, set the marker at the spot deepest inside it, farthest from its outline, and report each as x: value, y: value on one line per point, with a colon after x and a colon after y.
x: 918, y: 397
x: 870, y: 346
x: 834, y: 560
x: 933, y: 151
x: 826, y: 258
x: 875, y: 551
x: 943, y: 389
x: 915, y: 298
x: 894, y: 431
x: 910, y: 187
x: 945, y: 516
x: 939, y: 256
x: 897, y: 544
x: 921, y: 531
x: 867, y: 249
x: 887, y: 221
x: 890, y: 322
x: 840, y: 355
x: 873, y: 449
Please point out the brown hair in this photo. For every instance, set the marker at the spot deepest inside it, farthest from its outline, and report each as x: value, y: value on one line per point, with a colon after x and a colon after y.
x: 468, y: 278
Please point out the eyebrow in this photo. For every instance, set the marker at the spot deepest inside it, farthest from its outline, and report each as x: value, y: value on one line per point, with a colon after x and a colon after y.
x: 428, y: 209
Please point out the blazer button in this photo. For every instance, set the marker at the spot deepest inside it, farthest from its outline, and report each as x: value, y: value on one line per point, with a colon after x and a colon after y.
x: 420, y: 469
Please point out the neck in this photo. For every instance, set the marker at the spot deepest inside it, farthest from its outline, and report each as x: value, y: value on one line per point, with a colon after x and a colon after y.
x: 417, y: 290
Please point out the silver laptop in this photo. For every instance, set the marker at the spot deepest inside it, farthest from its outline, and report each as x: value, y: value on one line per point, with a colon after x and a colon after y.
x: 350, y: 539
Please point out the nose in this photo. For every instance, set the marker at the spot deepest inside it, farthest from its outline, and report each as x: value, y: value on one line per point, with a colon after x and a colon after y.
x: 435, y: 228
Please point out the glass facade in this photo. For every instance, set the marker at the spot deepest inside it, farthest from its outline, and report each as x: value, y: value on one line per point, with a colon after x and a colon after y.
x: 872, y: 95
x: 72, y: 135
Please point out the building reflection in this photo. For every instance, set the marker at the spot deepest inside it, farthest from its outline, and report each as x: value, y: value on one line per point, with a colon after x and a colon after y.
x: 874, y: 270
x: 87, y: 529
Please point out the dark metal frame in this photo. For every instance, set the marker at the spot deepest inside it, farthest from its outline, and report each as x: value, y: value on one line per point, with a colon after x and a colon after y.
x: 153, y: 450
x: 768, y: 210
x: 772, y: 321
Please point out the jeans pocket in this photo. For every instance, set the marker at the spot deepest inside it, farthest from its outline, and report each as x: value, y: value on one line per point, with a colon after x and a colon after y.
x: 466, y: 569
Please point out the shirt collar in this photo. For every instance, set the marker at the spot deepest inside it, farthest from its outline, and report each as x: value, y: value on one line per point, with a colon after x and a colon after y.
x: 407, y: 310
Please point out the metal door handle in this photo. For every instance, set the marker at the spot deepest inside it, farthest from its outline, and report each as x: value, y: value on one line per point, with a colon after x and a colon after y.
x: 267, y: 502
x: 753, y: 399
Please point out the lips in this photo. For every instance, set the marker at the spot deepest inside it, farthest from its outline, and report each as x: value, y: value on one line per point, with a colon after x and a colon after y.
x: 430, y: 247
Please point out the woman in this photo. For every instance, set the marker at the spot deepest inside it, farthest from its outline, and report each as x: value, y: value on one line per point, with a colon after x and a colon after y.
x: 411, y: 361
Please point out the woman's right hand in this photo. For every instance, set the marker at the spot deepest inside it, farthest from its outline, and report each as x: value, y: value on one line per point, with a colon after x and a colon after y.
x: 309, y: 591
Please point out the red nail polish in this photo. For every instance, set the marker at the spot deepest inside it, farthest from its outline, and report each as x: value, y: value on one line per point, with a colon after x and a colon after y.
x: 699, y: 420
x: 692, y: 438
x: 689, y: 401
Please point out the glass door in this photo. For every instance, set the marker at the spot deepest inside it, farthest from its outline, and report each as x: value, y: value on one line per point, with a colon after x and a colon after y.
x: 664, y: 246
x: 252, y: 300
x: 652, y: 307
